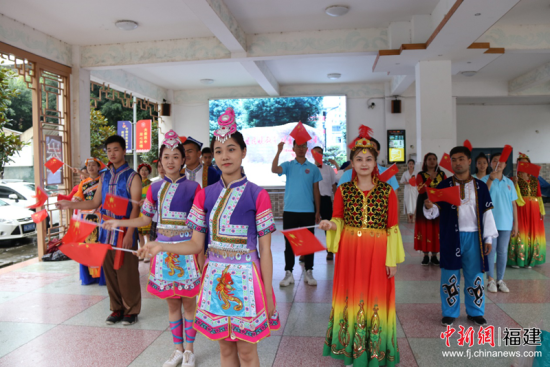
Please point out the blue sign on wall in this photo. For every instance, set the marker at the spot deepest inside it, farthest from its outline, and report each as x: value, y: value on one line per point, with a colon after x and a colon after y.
x: 124, y: 129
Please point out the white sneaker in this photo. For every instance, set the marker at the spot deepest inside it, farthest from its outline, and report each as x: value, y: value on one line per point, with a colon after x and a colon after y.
x: 174, y: 360
x: 188, y: 359
x: 502, y: 286
x: 309, y: 279
x: 289, y: 279
x: 492, y: 286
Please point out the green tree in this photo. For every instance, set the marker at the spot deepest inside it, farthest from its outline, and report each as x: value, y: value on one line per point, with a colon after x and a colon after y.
x: 10, y: 144
x: 20, y: 111
x: 100, y: 129
x: 336, y: 153
x: 263, y: 112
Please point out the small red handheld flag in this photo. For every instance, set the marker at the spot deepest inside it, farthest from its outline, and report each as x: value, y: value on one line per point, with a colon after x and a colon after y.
x: 389, y: 173
x: 505, y: 153
x: 41, y: 198
x: 468, y: 145
x: 116, y: 204
x: 78, y: 231
x: 303, y: 242
x: 300, y: 134
x: 318, y: 157
x: 446, y: 162
x: 87, y: 254
x: 412, y: 181
x: 450, y: 195
x: 53, y: 164
x: 529, y: 168
x: 39, y: 216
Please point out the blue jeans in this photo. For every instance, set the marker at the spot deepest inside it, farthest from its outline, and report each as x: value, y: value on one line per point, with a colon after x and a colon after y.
x: 500, y: 249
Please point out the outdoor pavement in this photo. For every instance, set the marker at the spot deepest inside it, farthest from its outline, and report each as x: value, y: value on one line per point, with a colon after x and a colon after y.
x: 48, y: 319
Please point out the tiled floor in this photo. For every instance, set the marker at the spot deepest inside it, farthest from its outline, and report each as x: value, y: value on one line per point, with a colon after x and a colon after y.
x: 48, y: 319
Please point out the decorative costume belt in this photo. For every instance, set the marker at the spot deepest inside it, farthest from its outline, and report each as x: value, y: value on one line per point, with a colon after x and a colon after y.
x: 186, y: 233
x: 372, y: 232
x: 530, y: 198
x: 247, y: 255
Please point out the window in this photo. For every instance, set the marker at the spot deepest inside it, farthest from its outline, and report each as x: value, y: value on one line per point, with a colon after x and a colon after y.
x: 336, y: 128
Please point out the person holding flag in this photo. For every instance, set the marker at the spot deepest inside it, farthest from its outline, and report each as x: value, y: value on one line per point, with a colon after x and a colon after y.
x: 426, y: 231
x: 364, y: 233
x: 86, y: 191
x: 528, y: 247
x: 172, y: 277
x: 504, y: 197
x: 236, y: 305
x: 121, y: 272
x: 411, y: 193
x: 302, y: 201
x: 466, y: 239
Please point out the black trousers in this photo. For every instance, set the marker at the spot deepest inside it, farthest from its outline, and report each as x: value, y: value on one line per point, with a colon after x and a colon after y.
x: 326, y: 207
x: 295, y: 220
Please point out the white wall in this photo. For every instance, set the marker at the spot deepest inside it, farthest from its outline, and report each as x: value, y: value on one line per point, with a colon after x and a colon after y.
x: 493, y: 126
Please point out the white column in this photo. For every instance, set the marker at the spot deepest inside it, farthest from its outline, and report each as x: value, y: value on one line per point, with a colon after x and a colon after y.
x: 80, y: 111
x: 435, y: 109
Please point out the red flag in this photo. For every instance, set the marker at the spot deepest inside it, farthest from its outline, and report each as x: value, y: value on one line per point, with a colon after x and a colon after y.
x: 116, y: 204
x: 303, y: 242
x: 317, y: 156
x: 78, y: 231
x: 39, y: 216
x: 88, y: 254
x: 41, y: 198
x: 183, y: 139
x: 468, y: 145
x: 53, y: 164
x: 450, y: 195
x: 389, y: 173
x: 446, y: 163
x: 529, y: 168
x: 505, y: 153
x: 412, y: 181
x: 300, y: 134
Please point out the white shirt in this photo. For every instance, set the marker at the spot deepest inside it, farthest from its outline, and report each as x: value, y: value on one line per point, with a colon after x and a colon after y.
x: 329, y: 178
x: 467, y: 217
x: 195, y: 174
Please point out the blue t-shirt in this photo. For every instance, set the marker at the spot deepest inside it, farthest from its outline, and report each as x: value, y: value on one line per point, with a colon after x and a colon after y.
x: 299, y: 186
x: 503, y: 194
x: 346, y: 177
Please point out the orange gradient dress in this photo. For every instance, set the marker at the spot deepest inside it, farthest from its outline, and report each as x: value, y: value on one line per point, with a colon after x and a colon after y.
x: 362, y: 326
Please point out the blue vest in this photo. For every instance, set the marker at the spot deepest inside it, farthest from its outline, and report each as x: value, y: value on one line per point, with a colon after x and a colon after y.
x: 116, y: 182
x: 449, y: 232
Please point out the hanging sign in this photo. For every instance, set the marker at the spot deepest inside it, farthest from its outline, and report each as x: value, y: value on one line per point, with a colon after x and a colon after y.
x: 143, y: 136
x: 124, y: 129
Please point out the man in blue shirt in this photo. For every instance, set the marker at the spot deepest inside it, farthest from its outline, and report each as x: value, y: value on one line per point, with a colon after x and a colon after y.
x: 504, y: 195
x: 302, y: 203
x: 346, y: 177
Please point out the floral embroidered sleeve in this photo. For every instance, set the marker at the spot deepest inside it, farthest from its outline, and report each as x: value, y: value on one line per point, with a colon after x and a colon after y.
x: 395, y: 253
x: 333, y: 237
x: 196, y: 219
x: 150, y: 204
x: 265, y: 223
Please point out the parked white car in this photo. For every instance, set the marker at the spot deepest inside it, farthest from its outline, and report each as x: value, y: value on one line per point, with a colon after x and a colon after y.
x: 20, y: 194
x: 15, y: 222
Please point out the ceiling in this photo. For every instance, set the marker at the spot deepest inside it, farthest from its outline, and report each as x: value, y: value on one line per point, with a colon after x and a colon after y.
x: 508, y: 66
x: 354, y: 69
x: 528, y: 12
x: 261, y: 16
x: 93, y: 22
x: 188, y: 76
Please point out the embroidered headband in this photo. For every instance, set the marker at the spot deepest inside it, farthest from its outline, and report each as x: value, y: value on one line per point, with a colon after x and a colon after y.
x: 227, y: 125
x: 171, y: 140
x: 363, y: 140
x: 99, y: 163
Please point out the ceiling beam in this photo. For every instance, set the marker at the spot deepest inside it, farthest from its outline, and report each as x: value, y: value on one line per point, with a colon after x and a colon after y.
x: 216, y: 16
x: 260, y: 71
x: 400, y: 83
x: 530, y: 79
